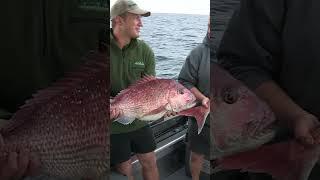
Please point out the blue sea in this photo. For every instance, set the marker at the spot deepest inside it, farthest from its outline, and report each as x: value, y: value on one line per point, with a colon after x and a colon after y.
x: 172, y: 37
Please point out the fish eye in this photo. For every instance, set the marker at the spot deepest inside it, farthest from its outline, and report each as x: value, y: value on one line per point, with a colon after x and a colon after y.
x: 180, y: 91
x: 229, y: 95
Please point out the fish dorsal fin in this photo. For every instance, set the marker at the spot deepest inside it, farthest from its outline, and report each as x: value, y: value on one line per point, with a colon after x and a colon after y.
x: 94, y: 63
x: 145, y: 79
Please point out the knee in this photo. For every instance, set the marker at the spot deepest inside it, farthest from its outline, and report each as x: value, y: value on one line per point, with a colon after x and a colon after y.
x: 125, y: 168
x: 196, y: 158
x: 149, y: 163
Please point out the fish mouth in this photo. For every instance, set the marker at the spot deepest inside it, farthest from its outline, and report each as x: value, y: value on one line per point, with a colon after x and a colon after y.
x: 185, y: 107
x: 262, y: 136
x: 259, y: 139
x: 189, y: 105
x: 244, y: 144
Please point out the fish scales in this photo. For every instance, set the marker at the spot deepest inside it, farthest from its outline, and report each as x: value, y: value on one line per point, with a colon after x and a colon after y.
x: 150, y: 98
x: 67, y: 124
x: 153, y: 93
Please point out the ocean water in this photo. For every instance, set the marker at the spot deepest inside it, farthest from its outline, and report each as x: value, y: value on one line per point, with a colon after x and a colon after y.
x: 172, y: 37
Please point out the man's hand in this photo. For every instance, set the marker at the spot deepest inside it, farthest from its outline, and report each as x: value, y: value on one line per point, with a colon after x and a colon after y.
x: 170, y: 113
x: 307, y: 129
x: 115, y: 113
x: 19, y: 165
x: 205, y: 102
x: 304, y: 124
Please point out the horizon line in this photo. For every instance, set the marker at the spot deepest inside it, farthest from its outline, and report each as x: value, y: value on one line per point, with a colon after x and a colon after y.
x: 179, y: 13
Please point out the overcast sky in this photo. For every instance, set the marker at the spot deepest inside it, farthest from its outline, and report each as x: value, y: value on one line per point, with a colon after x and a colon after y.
x: 174, y: 6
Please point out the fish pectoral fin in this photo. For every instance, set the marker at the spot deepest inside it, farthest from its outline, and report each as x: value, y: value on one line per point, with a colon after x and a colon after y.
x: 125, y: 120
x: 168, y: 107
x: 156, y: 111
x: 154, y: 114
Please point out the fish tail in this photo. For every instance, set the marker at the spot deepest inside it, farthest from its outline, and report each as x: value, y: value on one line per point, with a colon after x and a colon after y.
x: 201, y: 119
x: 284, y: 161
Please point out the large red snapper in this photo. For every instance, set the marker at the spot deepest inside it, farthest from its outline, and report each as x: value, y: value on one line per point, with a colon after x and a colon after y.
x: 151, y: 98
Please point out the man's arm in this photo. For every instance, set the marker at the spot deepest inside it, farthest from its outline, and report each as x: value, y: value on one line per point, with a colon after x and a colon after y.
x: 188, y: 73
x: 286, y: 110
x: 188, y: 76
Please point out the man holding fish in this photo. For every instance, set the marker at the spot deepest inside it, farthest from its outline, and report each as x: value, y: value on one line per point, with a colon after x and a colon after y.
x: 131, y: 59
x: 195, y: 75
x: 143, y: 97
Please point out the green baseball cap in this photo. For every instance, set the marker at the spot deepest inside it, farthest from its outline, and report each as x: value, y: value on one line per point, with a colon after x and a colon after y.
x: 123, y: 6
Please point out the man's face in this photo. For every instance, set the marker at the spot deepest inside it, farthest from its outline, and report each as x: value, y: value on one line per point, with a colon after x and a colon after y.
x: 131, y: 25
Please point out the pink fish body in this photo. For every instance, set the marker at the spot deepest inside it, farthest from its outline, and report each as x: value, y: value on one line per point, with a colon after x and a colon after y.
x: 150, y: 98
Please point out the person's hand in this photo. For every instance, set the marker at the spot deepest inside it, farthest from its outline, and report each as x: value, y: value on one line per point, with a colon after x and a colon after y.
x: 115, y: 113
x: 18, y: 165
x: 111, y: 100
x: 307, y: 129
x: 205, y: 102
x: 169, y: 114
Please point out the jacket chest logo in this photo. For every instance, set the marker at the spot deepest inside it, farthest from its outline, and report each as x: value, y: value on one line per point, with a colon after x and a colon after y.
x: 139, y: 63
